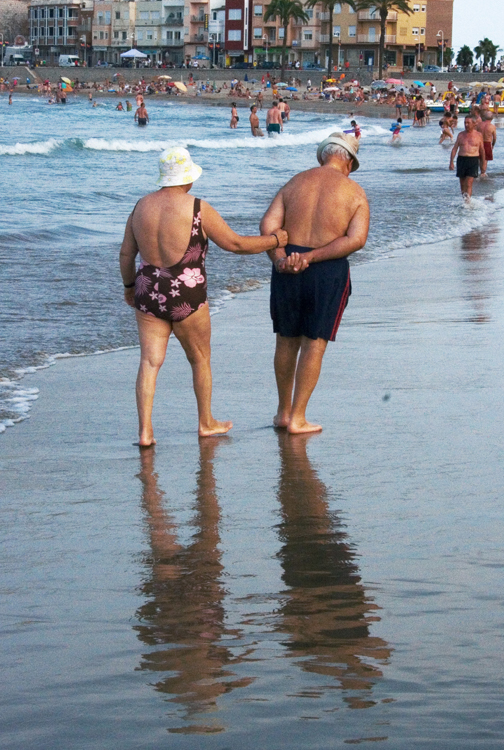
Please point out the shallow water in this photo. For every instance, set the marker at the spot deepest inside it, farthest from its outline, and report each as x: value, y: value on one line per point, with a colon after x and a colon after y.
x: 71, y: 175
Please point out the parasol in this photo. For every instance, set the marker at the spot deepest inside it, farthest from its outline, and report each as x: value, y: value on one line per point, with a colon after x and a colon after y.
x: 66, y: 80
x: 181, y: 86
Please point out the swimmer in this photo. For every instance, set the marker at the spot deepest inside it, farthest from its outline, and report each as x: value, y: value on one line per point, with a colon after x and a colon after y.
x: 90, y: 96
x: 356, y: 131
x: 254, y: 123
x: 129, y: 106
x: 233, y: 124
x: 141, y: 115
x: 396, y: 133
x: 445, y: 124
x: 120, y: 107
x: 10, y: 98
x: 139, y: 99
x: 274, y: 122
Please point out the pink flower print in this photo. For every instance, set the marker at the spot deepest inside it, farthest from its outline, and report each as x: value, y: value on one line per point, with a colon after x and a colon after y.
x: 161, y: 298
x: 181, y: 311
x: 143, y: 308
x: 197, y: 219
x: 175, y: 283
x: 194, y: 232
x: 175, y: 293
x: 153, y: 295
x: 162, y: 308
x: 191, y: 277
x: 192, y: 254
x: 142, y: 284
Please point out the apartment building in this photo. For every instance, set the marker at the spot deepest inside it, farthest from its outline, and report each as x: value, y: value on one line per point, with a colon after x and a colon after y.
x: 173, y: 31
x: 238, y: 24
x: 217, y: 32
x: 55, y: 28
x: 196, y: 20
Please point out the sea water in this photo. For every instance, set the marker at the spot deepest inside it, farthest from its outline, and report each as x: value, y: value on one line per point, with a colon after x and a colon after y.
x: 72, y: 174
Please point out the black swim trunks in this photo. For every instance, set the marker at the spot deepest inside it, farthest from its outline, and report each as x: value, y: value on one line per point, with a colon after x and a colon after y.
x: 273, y: 127
x: 175, y: 292
x: 310, y: 303
x: 467, y: 166
x: 142, y: 121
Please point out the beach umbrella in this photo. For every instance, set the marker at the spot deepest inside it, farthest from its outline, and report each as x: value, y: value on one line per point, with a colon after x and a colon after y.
x: 291, y: 88
x: 475, y: 83
x: 281, y: 85
x: 168, y: 78
x: 501, y: 80
x: 419, y: 84
x: 66, y: 80
x: 200, y: 57
x: 331, y: 88
x: 378, y: 85
x: 330, y: 80
x: 133, y: 53
x: 393, y: 80
x: 181, y: 86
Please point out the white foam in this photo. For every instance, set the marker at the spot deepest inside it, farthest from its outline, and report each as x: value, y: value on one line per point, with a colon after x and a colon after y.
x: 42, y: 148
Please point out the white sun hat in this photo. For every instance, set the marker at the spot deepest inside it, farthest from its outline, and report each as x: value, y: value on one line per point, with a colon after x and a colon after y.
x: 177, y: 168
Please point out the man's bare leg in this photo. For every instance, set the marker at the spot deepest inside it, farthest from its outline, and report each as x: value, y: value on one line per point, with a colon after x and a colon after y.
x: 153, y: 334
x: 285, y: 361
x: 194, y: 335
x: 307, y: 375
x: 466, y: 186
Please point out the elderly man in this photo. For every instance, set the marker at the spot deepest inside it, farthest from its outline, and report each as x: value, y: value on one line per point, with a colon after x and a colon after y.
x: 326, y: 215
x: 469, y: 144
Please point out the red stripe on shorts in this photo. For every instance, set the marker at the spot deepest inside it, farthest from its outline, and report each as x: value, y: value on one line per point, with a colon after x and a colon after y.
x: 341, y: 309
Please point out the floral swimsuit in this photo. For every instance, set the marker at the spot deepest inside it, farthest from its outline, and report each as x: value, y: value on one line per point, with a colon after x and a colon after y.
x: 175, y: 292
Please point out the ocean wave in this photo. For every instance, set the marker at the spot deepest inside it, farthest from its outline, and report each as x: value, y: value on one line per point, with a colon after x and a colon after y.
x: 40, y: 148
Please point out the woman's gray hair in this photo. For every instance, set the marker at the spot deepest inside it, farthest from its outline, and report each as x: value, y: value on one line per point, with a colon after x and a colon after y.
x: 331, y: 149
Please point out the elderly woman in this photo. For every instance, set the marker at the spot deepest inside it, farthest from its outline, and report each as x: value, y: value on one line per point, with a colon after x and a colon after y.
x: 170, y: 230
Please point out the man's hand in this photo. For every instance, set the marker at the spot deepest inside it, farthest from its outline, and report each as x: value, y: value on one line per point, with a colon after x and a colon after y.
x: 452, y: 166
x: 129, y: 296
x: 295, y: 263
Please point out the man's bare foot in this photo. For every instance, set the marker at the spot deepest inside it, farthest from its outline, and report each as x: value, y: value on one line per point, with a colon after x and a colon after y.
x: 296, y: 428
x: 144, y: 442
x: 281, y: 420
x: 214, y: 428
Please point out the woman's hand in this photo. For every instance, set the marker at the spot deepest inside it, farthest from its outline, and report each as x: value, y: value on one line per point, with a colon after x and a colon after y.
x: 282, y: 236
x: 129, y: 296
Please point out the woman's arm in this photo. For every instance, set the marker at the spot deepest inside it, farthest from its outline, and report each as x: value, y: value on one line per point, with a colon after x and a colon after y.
x: 127, y: 255
x: 223, y: 236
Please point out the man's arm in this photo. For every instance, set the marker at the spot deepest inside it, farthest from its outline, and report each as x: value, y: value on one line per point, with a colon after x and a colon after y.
x: 482, y: 155
x: 454, y: 152
x: 275, y: 217
x: 354, y: 239
x: 127, y: 255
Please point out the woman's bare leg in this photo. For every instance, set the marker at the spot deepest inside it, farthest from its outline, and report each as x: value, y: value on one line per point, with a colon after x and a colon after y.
x: 154, y: 334
x: 194, y: 335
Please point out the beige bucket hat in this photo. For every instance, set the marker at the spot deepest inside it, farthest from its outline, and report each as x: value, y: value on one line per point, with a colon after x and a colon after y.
x: 348, y: 142
x: 177, y: 168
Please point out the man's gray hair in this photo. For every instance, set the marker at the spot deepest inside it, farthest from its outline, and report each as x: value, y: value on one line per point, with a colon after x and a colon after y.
x: 331, y: 149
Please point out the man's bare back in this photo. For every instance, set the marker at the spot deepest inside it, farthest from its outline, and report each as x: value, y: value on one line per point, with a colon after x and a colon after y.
x: 308, y: 201
x: 488, y: 131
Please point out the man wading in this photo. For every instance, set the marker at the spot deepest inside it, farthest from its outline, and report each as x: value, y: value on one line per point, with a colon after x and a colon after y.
x: 326, y: 215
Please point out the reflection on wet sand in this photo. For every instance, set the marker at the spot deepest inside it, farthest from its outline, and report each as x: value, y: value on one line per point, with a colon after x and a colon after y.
x: 326, y: 611
x: 476, y: 254
x: 184, y: 608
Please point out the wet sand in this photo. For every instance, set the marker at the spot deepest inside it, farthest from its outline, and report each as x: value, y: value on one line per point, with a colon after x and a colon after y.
x: 257, y: 588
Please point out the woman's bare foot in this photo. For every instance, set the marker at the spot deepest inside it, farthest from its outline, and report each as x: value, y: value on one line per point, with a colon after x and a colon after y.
x: 214, y: 428
x: 145, y: 442
x: 296, y: 428
x: 281, y: 420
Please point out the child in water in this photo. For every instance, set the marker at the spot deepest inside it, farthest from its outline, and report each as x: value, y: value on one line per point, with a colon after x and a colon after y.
x: 396, y: 132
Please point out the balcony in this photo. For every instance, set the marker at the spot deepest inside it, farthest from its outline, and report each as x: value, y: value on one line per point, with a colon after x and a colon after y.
x: 390, y: 38
x: 309, y: 43
x: 366, y: 15
x: 198, y: 38
x: 324, y: 38
x: 325, y: 16
x: 174, y: 21
x: 368, y: 38
x: 198, y: 19
x: 174, y: 42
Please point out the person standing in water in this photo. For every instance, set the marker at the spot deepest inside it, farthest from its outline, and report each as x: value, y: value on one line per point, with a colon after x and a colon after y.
x: 469, y: 143
x: 234, y: 117
x: 254, y: 123
x: 141, y: 115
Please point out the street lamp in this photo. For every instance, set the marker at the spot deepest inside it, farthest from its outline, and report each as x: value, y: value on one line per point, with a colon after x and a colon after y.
x: 2, y: 48
x: 83, y: 39
x: 265, y: 40
x: 213, y: 37
x: 338, y: 36
x: 441, y: 34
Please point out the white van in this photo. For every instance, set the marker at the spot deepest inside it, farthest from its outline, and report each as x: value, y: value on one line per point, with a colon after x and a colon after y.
x: 68, y: 61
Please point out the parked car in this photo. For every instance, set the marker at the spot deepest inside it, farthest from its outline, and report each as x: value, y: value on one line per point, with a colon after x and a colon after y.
x: 432, y: 69
x: 314, y: 66
x: 242, y: 66
x: 68, y: 61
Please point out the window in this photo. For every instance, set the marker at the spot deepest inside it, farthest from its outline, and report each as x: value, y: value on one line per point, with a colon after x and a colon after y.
x: 352, y: 30
x: 102, y: 35
x: 337, y: 8
x: 257, y: 32
x: 144, y: 15
x: 309, y: 12
x: 307, y: 36
x: 100, y: 19
x: 116, y: 35
x: 234, y: 14
x: 71, y: 31
x: 51, y: 12
x: 336, y: 31
x: 154, y: 15
x: 169, y: 35
x: 176, y: 35
x: 139, y: 35
x: 148, y: 36
x: 124, y: 35
x: 60, y: 30
x: 281, y: 32
x: 42, y: 13
x: 350, y: 9
x: 416, y: 9
x: 414, y: 31
x: 107, y: 17
x: 35, y: 32
x: 234, y: 35
x: 126, y: 15
x: 272, y: 35
x: 118, y: 15
x: 422, y: 32
x: 34, y: 13
x: 73, y: 13
x: 424, y: 8
x: 61, y: 12
x: 51, y: 30
x: 257, y: 10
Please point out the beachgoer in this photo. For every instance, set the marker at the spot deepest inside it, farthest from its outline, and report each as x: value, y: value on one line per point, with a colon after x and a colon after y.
x: 129, y: 106
x: 497, y: 99
x: 446, y: 126
x: 356, y: 130
x: 10, y: 98
x: 489, y: 133
x: 327, y: 217
x: 120, y: 107
x: 169, y: 288
x: 141, y: 115
x: 281, y: 109
x: 90, y: 96
x: 254, y: 122
x: 472, y: 154
x: 396, y: 133
x: 274, y: 123
x: 259, y: 99
x: 139, y: 99
x: 234, y: 116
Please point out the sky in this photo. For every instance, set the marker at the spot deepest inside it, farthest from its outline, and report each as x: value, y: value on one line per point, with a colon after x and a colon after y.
x: 476, y: 19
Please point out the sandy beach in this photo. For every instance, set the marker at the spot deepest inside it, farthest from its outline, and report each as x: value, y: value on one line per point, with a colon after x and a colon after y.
x: 255, y: 589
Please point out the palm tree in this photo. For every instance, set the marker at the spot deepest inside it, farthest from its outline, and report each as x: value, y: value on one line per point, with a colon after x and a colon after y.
x: 382, y: 9
x: 328, y: 6
x: 465, y: 57
x: 286, y: 10
x: 487, y: 50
